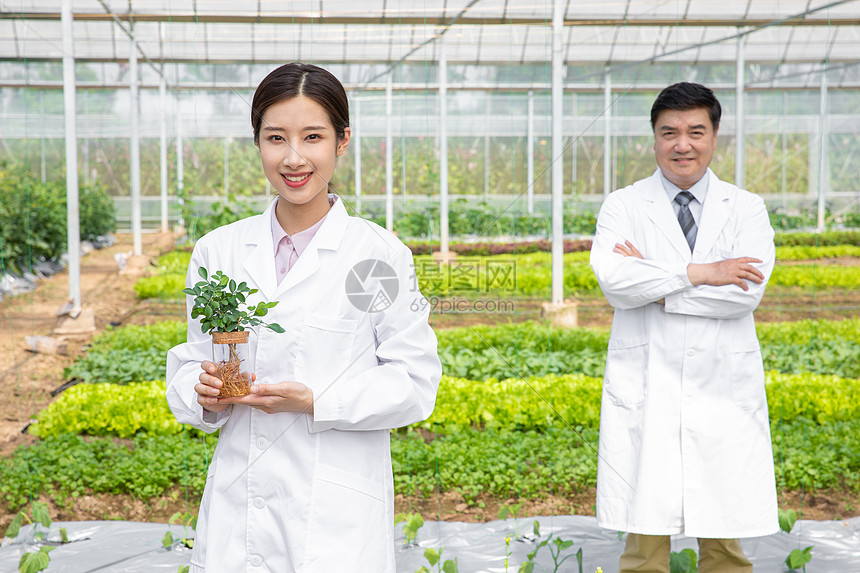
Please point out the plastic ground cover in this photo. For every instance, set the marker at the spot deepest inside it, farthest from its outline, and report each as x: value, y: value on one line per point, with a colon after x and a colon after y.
x: 131, y: 547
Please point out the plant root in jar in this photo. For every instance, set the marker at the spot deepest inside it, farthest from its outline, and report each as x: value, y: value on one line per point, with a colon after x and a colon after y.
x: 235, y: 382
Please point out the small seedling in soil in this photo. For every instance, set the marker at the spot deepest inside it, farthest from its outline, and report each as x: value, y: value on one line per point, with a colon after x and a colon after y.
x: 217, y: 303
x: 684, y: 561
x: 412, y: 522
x: 434, y: 557
x: 556, y: 545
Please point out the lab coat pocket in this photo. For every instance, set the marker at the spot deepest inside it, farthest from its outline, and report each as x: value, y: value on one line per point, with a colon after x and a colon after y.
x: 626, y: 371
x: 358, y: 535
x: 325, y: 350
x: 748, y: 390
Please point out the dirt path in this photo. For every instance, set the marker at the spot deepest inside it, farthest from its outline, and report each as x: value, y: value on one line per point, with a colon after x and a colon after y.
x: 32, y: 376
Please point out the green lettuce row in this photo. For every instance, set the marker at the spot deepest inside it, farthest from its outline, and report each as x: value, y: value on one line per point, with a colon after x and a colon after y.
x: 138, y: 353
x: 818, y: 276
x: 502, y: 463
x: 108, y: 410
x: 533, y: 404
x: 69, y: 466
x: 527, y: 275
x: 810, y: 253
x: 128, y: 354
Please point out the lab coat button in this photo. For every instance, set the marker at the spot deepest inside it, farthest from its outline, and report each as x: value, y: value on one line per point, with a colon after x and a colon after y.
x: 691, y: 352
x: 259, y: 503
x: 256, y: 560
x: 261, y: 443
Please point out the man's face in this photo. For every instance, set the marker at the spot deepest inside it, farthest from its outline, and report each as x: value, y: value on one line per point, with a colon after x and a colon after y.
x: 684, y: 143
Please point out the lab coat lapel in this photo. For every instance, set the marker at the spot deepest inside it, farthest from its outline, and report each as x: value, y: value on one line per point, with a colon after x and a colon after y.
x: 327, y: 238
x: 259, y: 261
x: 715, y: 213
x: 659, y: 210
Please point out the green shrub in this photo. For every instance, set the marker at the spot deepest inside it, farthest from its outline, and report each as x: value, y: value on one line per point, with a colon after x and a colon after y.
x: 33, y: 218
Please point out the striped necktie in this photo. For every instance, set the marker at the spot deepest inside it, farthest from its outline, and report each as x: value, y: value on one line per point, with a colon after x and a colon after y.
x: 685, y: 218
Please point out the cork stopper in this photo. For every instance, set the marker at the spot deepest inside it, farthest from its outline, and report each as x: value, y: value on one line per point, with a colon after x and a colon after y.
x: 230, y: 337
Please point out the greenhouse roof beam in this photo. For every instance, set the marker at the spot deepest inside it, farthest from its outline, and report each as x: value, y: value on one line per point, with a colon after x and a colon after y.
x: 741, y: 33
x: 798, y: 20
x: 762, y: 84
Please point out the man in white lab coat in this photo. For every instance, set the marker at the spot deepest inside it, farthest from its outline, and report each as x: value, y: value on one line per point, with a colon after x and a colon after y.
x: 684, y: 258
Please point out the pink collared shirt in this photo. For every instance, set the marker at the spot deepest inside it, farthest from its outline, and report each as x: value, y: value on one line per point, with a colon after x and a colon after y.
x: 288, y: 248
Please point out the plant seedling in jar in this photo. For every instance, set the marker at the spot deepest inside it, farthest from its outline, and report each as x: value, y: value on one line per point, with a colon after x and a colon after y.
x: 218, y: 302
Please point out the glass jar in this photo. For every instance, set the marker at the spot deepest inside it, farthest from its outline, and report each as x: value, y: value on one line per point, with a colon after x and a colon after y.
x: 231, y: 353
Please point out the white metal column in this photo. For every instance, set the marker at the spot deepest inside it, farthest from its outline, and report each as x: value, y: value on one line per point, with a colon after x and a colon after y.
x: 740, y: 136
x: 355, y: 141
x: 134, y: 150
x: 574, y: 140
x: 86, y: 166
x: 227, y: 168
x: 389, y: 156
x: 180, y: 162
x: 487, y: 146
x: 42, y: 145
x: 72, y: 202
x: 823, y: 179
x: 557, y: 155
x: 162, y: 159
x: 607, y: 131
x: 530, y: 155
x: 443, y: 148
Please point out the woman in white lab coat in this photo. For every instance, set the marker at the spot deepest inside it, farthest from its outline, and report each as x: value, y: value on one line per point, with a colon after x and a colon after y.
x: 301, y: 479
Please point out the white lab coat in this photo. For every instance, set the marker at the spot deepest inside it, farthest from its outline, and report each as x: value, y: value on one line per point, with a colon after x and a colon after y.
x: 684, y: 434
x: 309, y: 493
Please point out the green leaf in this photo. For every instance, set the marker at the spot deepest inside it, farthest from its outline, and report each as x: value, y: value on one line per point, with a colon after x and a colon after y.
x: 167, y: 540
x: 799, y: 558
x: 35, y: 562
x: 184, y: 569
x: 787, y: 519
x: 261, y: 309
x: 189, y: 291
x: 15, y: 526
x: 536, y: 528
x: 203, y: 272
x: 450, y: 566
x: 232, y: 285
x: 399, y: 518
x: 422, y: 569
x: 275, y: 327
x: 174, y: 518
x: 683, y: 562
x: 432, y: 555
x: 526, y: 567
x: 64, y: 535
x: 41, y: 514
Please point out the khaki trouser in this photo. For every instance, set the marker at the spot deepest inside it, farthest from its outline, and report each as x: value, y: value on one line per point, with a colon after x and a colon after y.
x: 650, y: 554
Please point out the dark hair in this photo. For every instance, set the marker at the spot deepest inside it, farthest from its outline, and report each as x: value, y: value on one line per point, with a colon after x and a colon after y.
x: 685, y: 96
x: 297, y: 79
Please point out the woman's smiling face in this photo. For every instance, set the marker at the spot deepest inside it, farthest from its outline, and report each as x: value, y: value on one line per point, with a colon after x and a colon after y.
x: 299, y: 150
